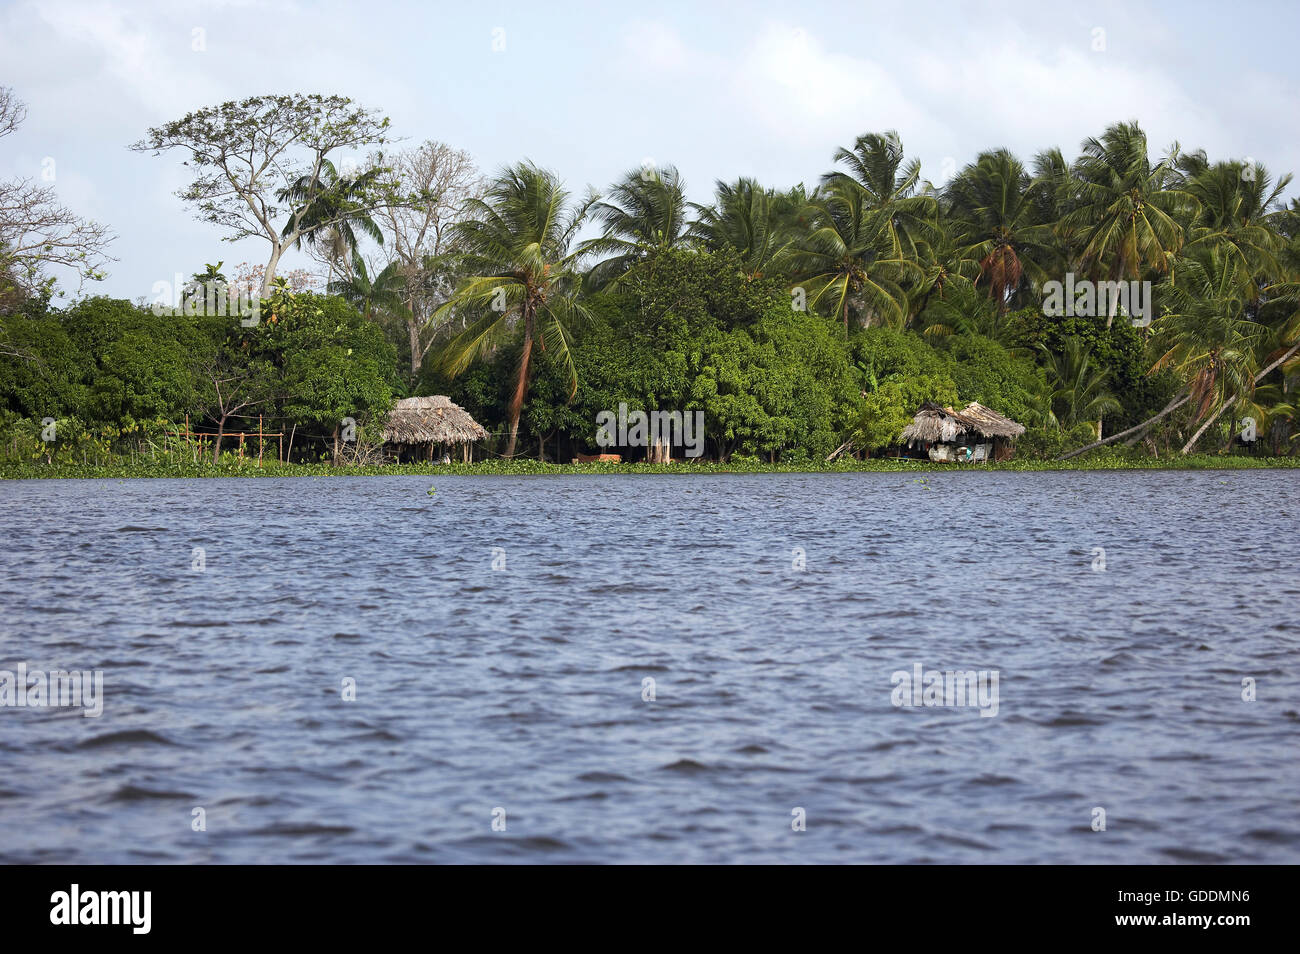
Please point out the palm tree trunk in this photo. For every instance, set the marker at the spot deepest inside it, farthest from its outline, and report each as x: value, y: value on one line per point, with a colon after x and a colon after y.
x: 521, y: 385
x: 1206, y: 426
x: 1169, y: 408
x: 1112, y: 306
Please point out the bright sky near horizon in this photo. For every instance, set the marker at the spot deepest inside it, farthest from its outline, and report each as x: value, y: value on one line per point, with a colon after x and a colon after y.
x: 593, y: 90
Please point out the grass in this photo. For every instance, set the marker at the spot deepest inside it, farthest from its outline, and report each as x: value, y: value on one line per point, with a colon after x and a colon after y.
x: 235, y: 468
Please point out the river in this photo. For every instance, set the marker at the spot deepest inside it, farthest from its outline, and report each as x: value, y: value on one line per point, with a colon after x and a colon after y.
x: 647, y: 669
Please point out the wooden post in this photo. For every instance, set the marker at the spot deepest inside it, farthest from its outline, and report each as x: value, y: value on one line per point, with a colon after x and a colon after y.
x: 259, y: 440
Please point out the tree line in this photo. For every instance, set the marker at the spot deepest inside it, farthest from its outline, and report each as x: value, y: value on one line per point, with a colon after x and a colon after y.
x: 802, y: 320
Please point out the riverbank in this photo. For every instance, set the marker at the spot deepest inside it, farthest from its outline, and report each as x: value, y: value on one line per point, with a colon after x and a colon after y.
x: 234, y: 468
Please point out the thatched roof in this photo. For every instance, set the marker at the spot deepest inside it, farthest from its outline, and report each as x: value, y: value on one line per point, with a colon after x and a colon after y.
x: 421, y: 420
x: 935, y: 424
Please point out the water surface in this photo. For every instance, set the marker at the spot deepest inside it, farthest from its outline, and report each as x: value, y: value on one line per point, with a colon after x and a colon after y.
x: 522, y: 688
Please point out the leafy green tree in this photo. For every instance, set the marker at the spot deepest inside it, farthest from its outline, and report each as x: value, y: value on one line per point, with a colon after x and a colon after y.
x: 899, y: 373
x: 326, y: 363
x: 246, y: 154
x: 781, y: 384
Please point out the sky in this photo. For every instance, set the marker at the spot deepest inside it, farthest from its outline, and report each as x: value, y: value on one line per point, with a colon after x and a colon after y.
x: 592, y: 91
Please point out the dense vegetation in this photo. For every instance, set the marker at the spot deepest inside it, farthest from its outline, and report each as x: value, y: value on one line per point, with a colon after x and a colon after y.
x: 802, y: 321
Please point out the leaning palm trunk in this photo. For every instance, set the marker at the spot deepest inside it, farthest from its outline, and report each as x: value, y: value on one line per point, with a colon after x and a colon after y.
x: 1229, y: 403
x: 1169, y: 408
x: 1209, y: 421
x: 1112, y: 309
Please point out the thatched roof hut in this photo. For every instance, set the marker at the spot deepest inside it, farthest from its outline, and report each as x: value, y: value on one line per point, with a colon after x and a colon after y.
x: 431, y: 420
x: 935, y: 424
x: 973, y: 424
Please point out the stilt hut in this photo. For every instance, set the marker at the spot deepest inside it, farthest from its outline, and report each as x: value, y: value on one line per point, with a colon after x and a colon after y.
x: 420, y: 426
x: 975, y: 433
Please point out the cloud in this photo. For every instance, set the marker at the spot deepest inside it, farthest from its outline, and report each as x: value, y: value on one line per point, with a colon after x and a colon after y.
x: 770, y: 94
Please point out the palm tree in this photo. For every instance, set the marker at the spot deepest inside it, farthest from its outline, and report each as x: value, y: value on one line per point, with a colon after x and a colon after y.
x: 1236, y: 202
x: 889, y: 186
x: 1206, y: 332
x: 1127, y: 208
x: 385, y: 292
x: 748, y: 218
x: 644, y: 213
x: 851, y: 260
x: 995, y: 222
x: 1274, y: 411
x: 1054, y: 192
x: 1077, y: 385
x: 959, y: 307
x: 515, y: 247
x: 211, y: 279
x: 335, y: 199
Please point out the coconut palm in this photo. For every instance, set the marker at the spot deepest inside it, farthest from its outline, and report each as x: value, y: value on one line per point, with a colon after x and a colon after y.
x: 385, y: 292
x: 334, y: 199
x: 1206, y: 331
x: 959, y: 307
x: 1274, y: 411
x: 523, y: 277
x: 850, y: 261
x: 994, y: 220
x: 1236, y: 200
x: 1054, y: 192
x: 210, y: 279
x: 750, y: 219
x: 644, y: 213
x: 1128, y: 208
x: 890, y: 186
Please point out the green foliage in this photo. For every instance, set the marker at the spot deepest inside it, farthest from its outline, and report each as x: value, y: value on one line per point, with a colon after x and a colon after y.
x: 795, y: 319
x: 901, y: 371
x: 784, y: 382
x: 329, y: 363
